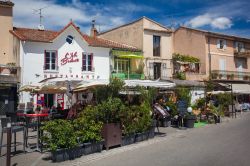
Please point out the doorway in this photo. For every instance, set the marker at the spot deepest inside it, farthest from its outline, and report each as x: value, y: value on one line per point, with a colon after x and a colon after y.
x: 48, y: 100
x: 157, y: 70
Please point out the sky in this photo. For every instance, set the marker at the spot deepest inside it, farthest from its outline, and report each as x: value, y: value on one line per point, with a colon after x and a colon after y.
x: 224, y: 16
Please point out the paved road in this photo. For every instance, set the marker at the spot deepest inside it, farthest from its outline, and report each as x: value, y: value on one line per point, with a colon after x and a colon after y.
x: 226, y: 144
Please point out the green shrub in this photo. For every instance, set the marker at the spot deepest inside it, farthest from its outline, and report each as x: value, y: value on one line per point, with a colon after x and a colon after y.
x: 183, y: 93
x: 87, y: 125
x: 180, y: 75
x: 172, y: 107
x: 59, y: 134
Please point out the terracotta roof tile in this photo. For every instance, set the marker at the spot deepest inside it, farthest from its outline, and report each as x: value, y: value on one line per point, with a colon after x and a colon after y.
x: 36, y: 35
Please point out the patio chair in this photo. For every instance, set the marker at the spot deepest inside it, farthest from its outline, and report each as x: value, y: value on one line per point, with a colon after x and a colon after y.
x: 14, y: 130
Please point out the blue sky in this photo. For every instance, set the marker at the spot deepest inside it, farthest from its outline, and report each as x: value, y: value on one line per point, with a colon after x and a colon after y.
x: 225, y: 16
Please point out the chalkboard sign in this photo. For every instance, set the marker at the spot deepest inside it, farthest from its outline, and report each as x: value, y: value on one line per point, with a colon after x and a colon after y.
x: 182, y: 106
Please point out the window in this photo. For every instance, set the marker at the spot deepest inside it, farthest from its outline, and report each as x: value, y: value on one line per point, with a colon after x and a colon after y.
x: 221, y: 44
x: 156, y: 46
x: 239, y: 46
x: 50, y: 60
x: 87, y: 62
x: 121, y: 65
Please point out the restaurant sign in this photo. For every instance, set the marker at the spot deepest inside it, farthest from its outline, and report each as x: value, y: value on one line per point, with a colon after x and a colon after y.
x: 70, y: 57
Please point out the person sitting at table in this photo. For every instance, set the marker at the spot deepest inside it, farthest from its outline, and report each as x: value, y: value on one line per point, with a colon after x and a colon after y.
x: 59, y: 107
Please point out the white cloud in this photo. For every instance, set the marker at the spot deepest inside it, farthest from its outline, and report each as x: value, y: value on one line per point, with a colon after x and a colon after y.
x: 221, y: 23
x: 210, y: 19
x: 58, y: 15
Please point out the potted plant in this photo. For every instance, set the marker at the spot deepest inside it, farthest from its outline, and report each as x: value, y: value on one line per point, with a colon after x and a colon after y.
x: 214, y: 75
x: 220, y: 76
x: 217, y: 112
x: 189, y: 120
x: 232, y: 76
x: 127, y: 116
x: 88, y: 130
x: 109, y: 115
x: 61, y: 140
x: 143, y: 122
x: 246, y: 77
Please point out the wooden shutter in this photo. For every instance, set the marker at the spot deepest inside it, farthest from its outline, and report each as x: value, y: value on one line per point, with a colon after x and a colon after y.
x: 218, y: 43
x: 57, y: 60
x: 84, y: 67
x: 44, y: 60
x: 92, y: 62
x: 224, y: 44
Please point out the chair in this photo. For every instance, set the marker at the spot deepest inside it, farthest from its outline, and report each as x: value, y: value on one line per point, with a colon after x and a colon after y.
x: 14, y: 130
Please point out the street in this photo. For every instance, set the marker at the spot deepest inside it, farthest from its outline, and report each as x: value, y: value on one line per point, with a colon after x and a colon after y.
x: 223, y: 144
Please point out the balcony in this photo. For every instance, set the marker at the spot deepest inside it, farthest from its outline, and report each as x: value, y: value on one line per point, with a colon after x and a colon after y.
x: 126, y: 76
x: 243, y: 52
x: 9, y: 74
x: 230, y: 75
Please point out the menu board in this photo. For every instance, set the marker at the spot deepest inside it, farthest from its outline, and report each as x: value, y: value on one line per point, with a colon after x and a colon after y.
x: 182, y: 106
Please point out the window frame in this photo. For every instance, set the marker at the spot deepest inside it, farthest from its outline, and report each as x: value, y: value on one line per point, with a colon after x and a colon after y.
x: 87, y: 66
x: 156, y: 46
x: 50, y: 60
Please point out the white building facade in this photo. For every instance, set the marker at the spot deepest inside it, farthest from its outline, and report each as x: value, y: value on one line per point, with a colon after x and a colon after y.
x: 67, y: 54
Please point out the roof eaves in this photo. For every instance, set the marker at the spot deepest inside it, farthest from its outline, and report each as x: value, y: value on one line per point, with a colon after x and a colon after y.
x: 215, y: 33
x: 129, y: 23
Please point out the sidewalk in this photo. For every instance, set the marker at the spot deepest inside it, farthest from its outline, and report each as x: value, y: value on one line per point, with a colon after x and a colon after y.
x: 43, y: 159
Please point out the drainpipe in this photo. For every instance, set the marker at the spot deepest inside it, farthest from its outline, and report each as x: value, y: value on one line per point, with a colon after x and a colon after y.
x: 209, y: 56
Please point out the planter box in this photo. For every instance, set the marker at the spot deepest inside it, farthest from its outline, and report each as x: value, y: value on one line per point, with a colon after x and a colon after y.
x: 92, y: 147
x: 151, y: 133
x: 65, y: 154
x: 141, y: 136
x: 112, y: 135
x: 127, y: 140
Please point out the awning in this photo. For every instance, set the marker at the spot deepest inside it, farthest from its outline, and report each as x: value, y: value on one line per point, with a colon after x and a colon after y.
x: 149, y: 83
x: 84, y: 85
x: 241, y: 88
x: 127, y: 54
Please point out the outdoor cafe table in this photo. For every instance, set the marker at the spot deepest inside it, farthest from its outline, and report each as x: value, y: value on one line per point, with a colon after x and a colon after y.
x: 38, y: 116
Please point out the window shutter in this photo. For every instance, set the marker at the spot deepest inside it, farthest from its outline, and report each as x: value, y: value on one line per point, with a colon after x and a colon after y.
x: 44, y: 60
x: 92, y: 62
x: 224, y: 44
x: 83, y: 62
x: 56, y: 60
x: 218, y: 43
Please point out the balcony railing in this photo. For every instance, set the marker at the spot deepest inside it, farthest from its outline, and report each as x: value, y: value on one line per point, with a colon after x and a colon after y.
x: 242, y: 52
x: 230, y: 75
x: 125, y: 76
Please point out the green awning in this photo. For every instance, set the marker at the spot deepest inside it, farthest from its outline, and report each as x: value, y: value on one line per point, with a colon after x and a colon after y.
x: 127, y: 54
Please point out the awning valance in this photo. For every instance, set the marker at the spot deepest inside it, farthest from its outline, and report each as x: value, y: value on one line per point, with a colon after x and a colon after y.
x: 127, y: 54
x: 241, y: 88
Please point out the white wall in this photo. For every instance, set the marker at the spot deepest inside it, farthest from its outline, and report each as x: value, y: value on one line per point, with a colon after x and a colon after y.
x: 32, y: 60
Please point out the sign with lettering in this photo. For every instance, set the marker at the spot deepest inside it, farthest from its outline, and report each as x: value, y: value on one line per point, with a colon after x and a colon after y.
x: 70, y: 58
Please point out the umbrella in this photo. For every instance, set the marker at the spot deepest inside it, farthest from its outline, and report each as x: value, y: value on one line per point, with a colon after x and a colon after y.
x: 86, y: 85
x: 29, y: 88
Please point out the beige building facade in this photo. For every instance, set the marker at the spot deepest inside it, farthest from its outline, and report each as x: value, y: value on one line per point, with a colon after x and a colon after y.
x: 153, y: 39
x: 223, y: 57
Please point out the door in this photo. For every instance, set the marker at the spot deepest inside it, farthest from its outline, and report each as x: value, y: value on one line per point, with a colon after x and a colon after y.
x: 222, y: 68
x: 48, y: 100
x: 157, y: 70
x: 239, y: 64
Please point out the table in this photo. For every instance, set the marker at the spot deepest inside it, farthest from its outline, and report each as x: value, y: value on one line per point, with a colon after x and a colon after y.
x: 38, y: 116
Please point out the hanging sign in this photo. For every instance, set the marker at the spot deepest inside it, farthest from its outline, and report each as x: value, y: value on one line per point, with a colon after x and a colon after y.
x: 70, y: 57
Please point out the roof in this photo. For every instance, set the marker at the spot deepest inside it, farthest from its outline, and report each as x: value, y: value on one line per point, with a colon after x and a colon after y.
x: 47, y: 36
x: 233, y: 37
x: 167, y: 29
x: 188, y: 83
x: 6, y: 3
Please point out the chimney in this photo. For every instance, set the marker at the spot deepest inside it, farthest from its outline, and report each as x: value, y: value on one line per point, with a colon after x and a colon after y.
x: 93, y: 31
